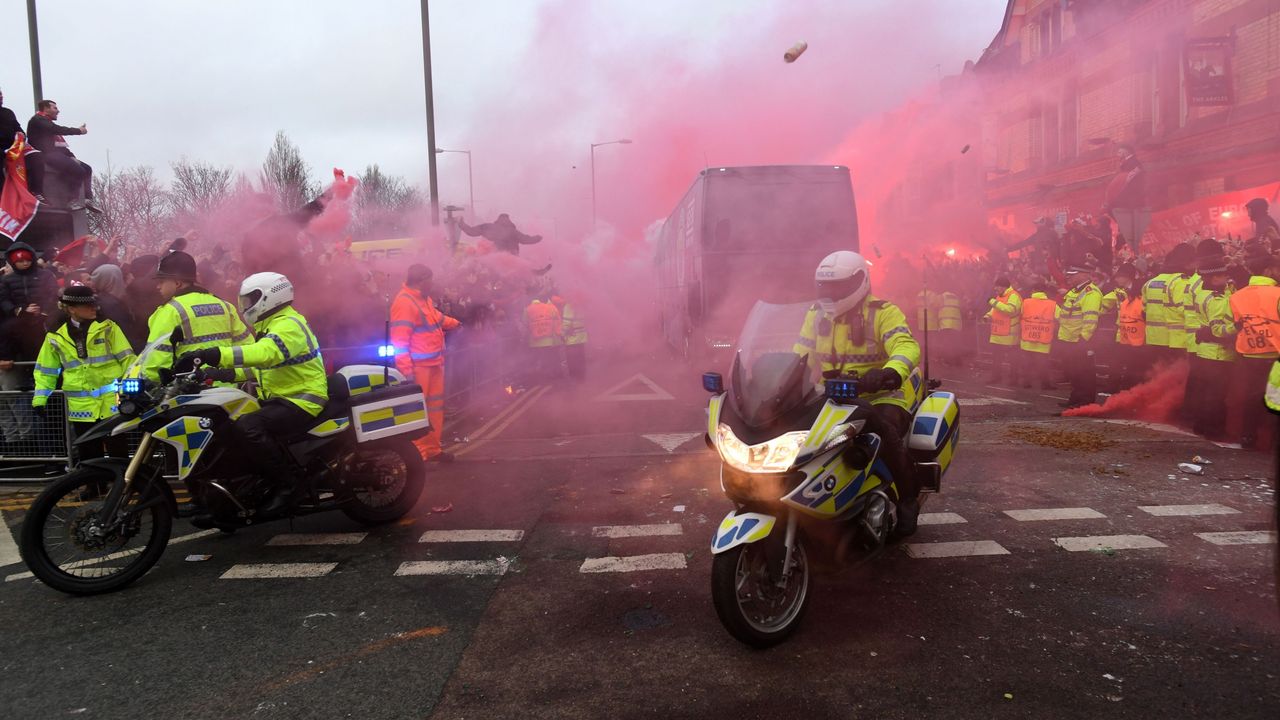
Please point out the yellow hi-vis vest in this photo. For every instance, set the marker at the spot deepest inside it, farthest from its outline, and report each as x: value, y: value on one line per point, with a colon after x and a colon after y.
x: 1155, y: 302
x: 1191, y: 319
x: 575, y: 331
x: 1272, y: 396
x: 1212, y: 310
x: 950, y: 316
x: 1004, y: 312
x: 1080, y: 310
x: 206, y: 322
x: 286, y: 359
x: 931, y: 301
x: 1176, y: 311
x: 89, y: 373
x: 886, y: 343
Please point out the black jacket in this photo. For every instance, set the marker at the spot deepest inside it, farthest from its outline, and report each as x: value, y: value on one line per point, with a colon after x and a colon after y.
x: 41, y: 132
x: 9, y: 126
x: 18, y: 290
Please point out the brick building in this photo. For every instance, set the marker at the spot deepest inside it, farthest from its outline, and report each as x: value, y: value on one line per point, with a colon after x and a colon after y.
x: 1193, y: 85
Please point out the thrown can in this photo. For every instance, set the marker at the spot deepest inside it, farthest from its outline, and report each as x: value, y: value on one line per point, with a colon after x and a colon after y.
x: 1191, y: 468
x: 795, y: 51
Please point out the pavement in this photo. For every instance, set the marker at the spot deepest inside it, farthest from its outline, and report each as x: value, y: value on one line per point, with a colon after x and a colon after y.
x: 560, y: 568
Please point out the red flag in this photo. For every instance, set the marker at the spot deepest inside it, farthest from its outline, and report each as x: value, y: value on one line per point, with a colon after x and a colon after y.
x: 17, y: 204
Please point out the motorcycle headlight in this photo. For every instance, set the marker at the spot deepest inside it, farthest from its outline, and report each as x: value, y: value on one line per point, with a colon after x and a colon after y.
x: 776, y: 455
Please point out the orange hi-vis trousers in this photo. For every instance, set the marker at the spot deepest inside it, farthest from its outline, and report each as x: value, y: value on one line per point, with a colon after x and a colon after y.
x: 431, y: 379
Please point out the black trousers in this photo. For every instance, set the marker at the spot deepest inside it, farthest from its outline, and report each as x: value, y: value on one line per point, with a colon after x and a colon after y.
x: 38, y: 165
x: 575, y: 358
x: 1253, y: 373
x: 1078, y: 365
x: 892, y: 423
x: 1207, y: 396
x: 261, y: 432
x: 1000, y: 354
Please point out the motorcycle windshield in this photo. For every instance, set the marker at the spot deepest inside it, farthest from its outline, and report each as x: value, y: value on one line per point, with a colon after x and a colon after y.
x: 135, y: 370
x: 769, y: 377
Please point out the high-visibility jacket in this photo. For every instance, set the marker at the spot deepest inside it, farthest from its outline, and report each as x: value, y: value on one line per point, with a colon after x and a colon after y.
x: 931, y: 301
x: 206, y: 321
x: 1191, y: 316
x: 1131, y: 324
x: 546, y: 327
x: 1004, y: 317
x: 1079, y: 318
x: 1176, y: 312
x: 575, y: 331
x: 1213, y: 310
x: 1039, y: 323
x: 417, y: 331
x: 871, y: 336
x: 1155, y: 302
x: 89, y: 370
x: 285, y: 360
x: 1254, y: 310
x: 1272, y: 395
x: 950, y: 316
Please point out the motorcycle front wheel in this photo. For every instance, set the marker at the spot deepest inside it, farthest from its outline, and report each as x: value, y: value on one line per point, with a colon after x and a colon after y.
x: 752, y: 605
x: 70, y: 547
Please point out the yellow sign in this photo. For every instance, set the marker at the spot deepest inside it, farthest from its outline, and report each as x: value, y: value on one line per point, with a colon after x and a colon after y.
x: 381, y: 249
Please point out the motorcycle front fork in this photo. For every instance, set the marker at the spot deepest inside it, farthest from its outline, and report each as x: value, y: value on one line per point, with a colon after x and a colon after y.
x: 780, y: 562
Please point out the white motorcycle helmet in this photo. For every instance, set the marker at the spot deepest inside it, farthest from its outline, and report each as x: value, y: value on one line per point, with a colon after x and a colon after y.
x: 842, y: 281
x: 262, y: 293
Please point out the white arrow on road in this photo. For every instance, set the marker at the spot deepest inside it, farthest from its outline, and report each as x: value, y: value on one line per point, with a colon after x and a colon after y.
x: 655, y: 392
x: 671, y: 441
x: 8, y: 548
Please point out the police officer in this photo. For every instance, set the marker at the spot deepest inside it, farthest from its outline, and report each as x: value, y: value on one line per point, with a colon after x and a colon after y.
x: 205, y: 321
x: 1080, y: 309
x: 287, y: 365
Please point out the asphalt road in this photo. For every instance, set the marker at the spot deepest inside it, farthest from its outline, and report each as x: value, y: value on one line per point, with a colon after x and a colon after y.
x: 561, y: 569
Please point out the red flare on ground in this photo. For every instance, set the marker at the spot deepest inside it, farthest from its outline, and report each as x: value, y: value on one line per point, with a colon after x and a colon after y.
x: 1157, y: 400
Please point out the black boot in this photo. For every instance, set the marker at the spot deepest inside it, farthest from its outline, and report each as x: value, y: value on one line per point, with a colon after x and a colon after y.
x: 908, y: 516
x: 279, y: 501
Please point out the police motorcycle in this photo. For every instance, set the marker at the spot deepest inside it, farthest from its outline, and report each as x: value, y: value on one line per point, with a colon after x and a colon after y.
x: 803, y: 467
x: 107, y: 522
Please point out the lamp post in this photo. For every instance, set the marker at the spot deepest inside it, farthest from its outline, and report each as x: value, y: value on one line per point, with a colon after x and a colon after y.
x: 471, y: 188
x: 593, y: 174
x: 33, y: 38
x: 431, y: 115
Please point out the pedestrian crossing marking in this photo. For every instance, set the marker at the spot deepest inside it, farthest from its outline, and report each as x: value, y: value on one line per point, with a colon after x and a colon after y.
x: 963, y: 548
x: 940, y: 518
x: 1244, y: 537
x: 630, y: 531
x: 257, y: 571
x: 498, y: 566
x: 1187, y: 510
x: 114, y: 556
x: 289, y: 539
x: 634, y: 563
x: 1082, y: 513
x: 1108, y: 542
x: 440, y: 536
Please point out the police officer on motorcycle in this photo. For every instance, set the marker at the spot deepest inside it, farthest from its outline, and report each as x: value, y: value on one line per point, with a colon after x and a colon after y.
x: 285, y: 360
x: 850, y: 332
x: 204, y: 320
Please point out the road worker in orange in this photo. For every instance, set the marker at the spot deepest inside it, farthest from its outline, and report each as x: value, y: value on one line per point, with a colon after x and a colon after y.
x: 544, y: 327
x: 417, y: 333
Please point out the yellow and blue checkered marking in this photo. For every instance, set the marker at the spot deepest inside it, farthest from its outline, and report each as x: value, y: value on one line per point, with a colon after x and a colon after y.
x: 190, y: 440
x: 739, y: 529
x: 383, y: 418
x: 330, y: 427
x: 360, y: 384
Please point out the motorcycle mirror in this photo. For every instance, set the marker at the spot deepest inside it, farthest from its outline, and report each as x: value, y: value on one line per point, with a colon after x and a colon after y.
x: 712, y: 382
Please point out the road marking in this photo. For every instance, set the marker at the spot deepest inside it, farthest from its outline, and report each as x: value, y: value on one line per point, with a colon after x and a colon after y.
x: 630, y: 531
x: 8, y: 548
x: 1185, y: 510
x: 512, y: 416
x: 989, y: 400
x: 671, y: 441
x: 116, y: 555
x: 1244, y: 537
x: 278, y: 570
x: 1055, y: 514
x: 317, y: 539
x: 942, y: 518
x: 1105, y: 542
x: 962, y: 548
x: 655, y: 392
x: 454, y: 567
x: 634, y: 563
x: 520, y: 401
x: 471, y: 536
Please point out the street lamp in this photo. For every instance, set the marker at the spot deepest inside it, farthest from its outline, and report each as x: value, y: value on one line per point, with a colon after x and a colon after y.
x: 593, y: 174
x: 471, y: 188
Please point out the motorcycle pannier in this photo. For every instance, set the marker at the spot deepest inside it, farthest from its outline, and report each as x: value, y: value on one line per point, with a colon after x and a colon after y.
x: 391, y: 410
x: 933, y: 431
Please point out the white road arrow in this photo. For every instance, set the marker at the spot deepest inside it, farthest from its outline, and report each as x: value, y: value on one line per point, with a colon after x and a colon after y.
x: 671, y: 441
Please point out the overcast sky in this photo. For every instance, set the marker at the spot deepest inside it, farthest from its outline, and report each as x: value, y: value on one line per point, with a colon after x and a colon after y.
x: 159, y: 79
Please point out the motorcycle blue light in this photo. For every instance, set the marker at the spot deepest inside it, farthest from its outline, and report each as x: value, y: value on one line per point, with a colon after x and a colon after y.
x: 712, y: 382
x: 131, y: 386
x: 840, y: 390
x: 386, y: 351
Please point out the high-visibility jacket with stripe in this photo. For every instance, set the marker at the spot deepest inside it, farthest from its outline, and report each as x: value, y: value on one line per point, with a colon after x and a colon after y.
x: 1191, y: 317
x: 206, y: 321
x: 1039, y: 323
x: 950, y: 316
x: 1155, y: 302
x: 89, y: 372
x: 1254, y: 310
x: 1176, y: 312
x: 575, y: 331
x: 1213, y: 310
x: 1079, y: 318
x: 546, y: 327
x: 1131, y: 324
x: 286, y: 360
x: 871, y: 336
x: 1004, y: 312
x: 417, y: 330
x: 931, y: 301
x: 1272, y: 395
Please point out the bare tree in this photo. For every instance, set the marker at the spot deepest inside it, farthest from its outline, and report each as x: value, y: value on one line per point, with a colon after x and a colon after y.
x: 197, y: 189
x: 384, y: 204
x: 135, y: 208
x: 287, y: 176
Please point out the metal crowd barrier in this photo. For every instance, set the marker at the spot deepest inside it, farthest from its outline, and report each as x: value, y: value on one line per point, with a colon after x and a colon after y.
x: 28, y: 436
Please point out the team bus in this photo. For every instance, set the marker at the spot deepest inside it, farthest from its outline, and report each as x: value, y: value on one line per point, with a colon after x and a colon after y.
x: 742, y: 234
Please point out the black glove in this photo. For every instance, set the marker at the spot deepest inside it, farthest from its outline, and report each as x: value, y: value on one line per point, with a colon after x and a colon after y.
x: 1205, y: 335
x: 208, y: 356
x: 221, y: 374
x: 880, y: 379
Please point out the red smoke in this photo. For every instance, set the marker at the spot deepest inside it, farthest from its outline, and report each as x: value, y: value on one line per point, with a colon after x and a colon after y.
x: 1157, y: 400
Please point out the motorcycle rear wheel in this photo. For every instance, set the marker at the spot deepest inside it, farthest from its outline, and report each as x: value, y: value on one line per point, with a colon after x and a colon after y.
x: 402, y: 476
x: 108, y: 562
x: 749, y: 606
